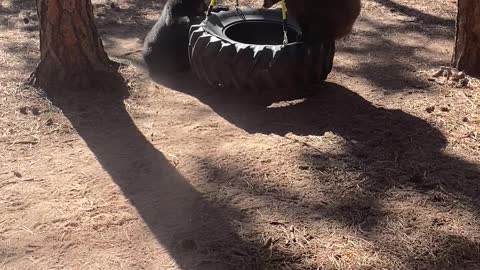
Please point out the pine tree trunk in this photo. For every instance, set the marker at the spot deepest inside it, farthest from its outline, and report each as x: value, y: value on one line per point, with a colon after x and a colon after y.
x: 467, y: 41
x: 72, y: 54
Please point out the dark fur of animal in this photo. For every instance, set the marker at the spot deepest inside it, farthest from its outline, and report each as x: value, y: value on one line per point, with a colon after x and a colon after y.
x: 321, y: 20
x: 165, y: 46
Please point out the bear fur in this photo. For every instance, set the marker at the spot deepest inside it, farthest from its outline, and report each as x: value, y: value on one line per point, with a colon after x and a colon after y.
x: 322, y: 18
x: 165, y: 46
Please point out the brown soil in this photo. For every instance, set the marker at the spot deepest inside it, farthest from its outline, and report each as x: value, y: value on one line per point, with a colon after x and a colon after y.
x: 380, y: 169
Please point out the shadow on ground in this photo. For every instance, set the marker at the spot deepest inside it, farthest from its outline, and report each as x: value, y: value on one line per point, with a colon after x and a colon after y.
x: 387, y: 149
x: 197, y: 234
x: 390, y: 55
x: 408, y: 144
x: 418, y: 14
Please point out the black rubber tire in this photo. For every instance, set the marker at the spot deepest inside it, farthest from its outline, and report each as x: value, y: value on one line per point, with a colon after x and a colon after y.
x: 219, y: 60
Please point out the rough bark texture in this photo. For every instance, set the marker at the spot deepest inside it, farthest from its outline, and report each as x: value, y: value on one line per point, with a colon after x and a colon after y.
x: 72, y: 54
x: 467, y: 44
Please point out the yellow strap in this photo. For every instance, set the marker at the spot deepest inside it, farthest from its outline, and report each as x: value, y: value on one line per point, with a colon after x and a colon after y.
x: 284, y: 22
x: 212, y: 4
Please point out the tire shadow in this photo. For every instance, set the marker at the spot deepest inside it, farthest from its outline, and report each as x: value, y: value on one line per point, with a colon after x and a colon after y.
x: 393, y: 148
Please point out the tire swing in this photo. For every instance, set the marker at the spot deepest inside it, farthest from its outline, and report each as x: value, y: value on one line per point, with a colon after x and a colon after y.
x: 254, y: 49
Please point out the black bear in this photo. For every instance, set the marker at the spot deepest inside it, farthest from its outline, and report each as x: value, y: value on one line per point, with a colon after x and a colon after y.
x: 165, y: 46
x: 321, y: 20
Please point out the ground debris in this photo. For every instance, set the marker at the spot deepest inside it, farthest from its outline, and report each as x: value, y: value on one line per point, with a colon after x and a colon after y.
x: 450, y: 76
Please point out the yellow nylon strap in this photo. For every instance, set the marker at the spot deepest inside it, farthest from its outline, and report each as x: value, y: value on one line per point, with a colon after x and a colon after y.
x: 212, y: 4
x: 284, y: 22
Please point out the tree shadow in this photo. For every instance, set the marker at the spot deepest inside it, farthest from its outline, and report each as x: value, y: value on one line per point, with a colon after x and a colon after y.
x: 419, y: 15
x: 129, y: 21
x: 431, y: 248
x: 388, y: 149
x: 20, y: 15
x: 16, y: 6
x: 400, y: 143
x: 389, y: 56
x: 457, y: 251
x: 124, y: 30
x: 196, y: 233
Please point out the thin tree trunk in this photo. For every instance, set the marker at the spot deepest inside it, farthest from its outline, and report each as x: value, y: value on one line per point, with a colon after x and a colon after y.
x: 72, y: 54
x: 467, y: 41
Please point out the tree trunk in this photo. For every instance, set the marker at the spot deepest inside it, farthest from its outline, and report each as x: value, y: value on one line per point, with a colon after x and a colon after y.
x: 467, y: 41
x: 72, y: 54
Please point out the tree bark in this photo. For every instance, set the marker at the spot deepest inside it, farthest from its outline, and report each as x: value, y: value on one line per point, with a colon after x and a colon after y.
x: 467, y: 41
x: 71, y: 52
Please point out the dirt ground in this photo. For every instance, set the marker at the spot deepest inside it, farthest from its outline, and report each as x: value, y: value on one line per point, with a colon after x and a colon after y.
x: 379, y: 169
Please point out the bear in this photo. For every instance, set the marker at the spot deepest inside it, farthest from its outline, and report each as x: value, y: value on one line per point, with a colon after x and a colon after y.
x: 320, y: 21
x: 165, y: 46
